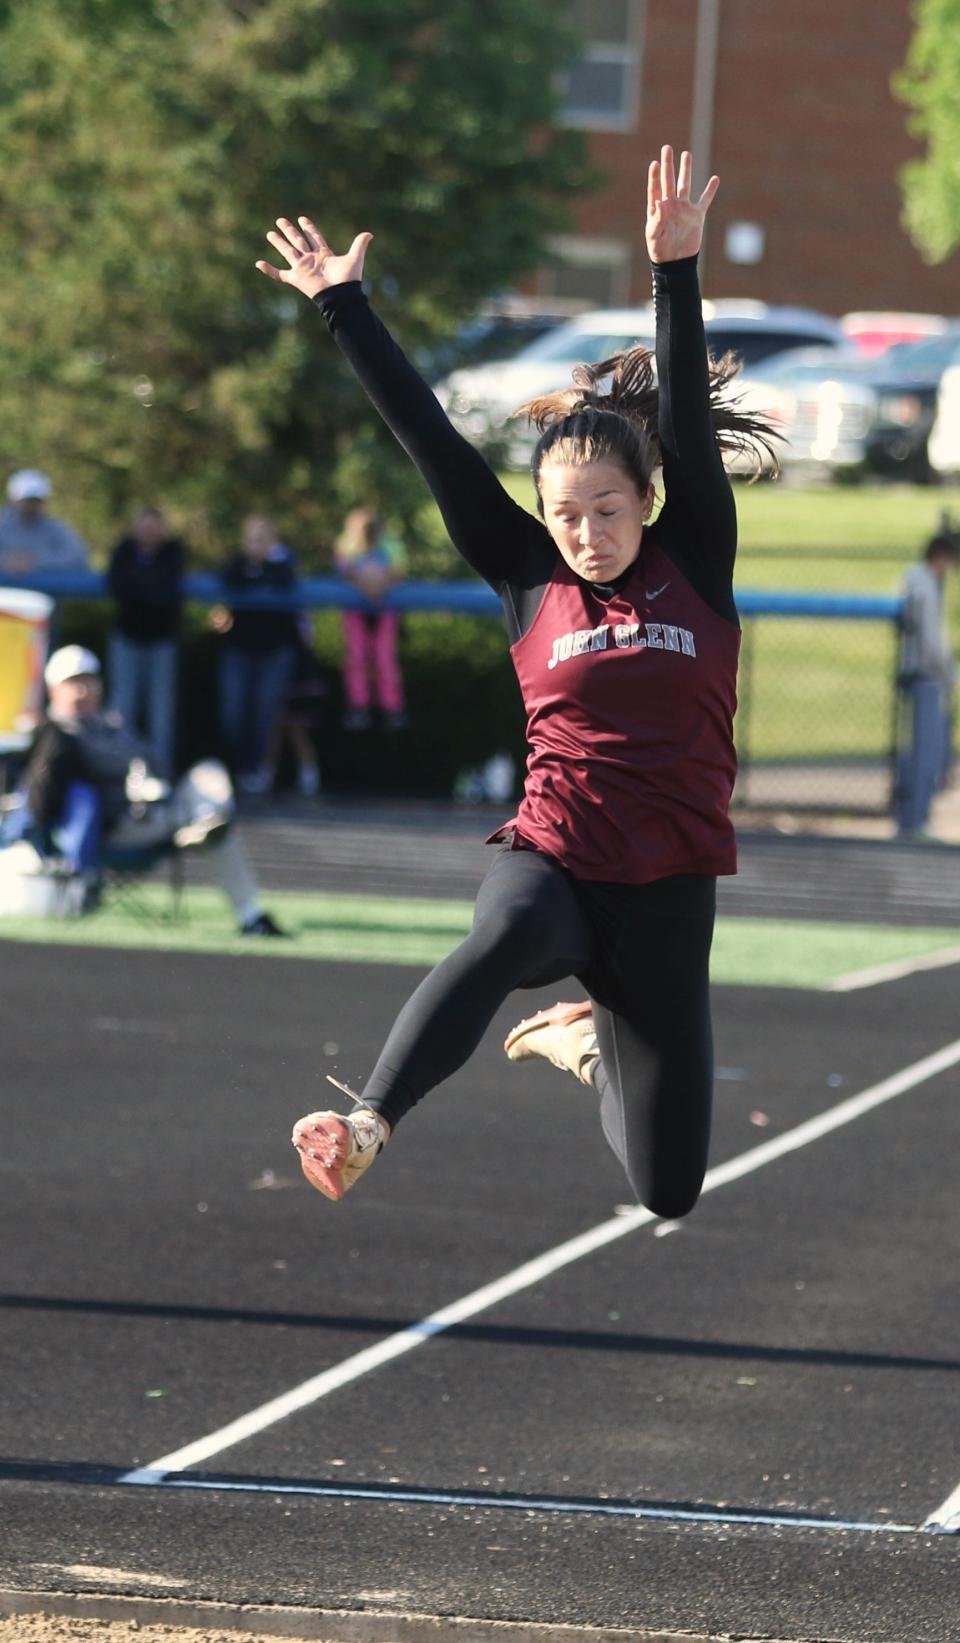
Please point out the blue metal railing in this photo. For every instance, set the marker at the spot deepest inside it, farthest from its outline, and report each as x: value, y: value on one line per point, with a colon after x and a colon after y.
x: 469, y: 598
x: 842, y: 606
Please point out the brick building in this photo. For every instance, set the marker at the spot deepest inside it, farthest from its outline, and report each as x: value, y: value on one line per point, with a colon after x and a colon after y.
x: 790, y: 102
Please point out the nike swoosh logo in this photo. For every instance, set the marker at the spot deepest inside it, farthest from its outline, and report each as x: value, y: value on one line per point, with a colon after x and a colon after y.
x: 657, y: 591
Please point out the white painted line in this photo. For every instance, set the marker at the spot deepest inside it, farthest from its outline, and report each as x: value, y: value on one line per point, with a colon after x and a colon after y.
x: 330, y: 1380
x: 946, y: 1518
x: 533, y: 1272
x: 894, y: 970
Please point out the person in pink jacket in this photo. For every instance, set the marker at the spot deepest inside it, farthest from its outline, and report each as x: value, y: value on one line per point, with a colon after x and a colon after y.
x: 373, y: 562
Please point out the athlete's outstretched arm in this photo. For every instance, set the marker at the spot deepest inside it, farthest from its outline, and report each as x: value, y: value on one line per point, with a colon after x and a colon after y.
x: 699, y: 501
x: 491, y: 531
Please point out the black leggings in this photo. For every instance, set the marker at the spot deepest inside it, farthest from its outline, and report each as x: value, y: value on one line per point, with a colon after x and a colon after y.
x: 642, y: 954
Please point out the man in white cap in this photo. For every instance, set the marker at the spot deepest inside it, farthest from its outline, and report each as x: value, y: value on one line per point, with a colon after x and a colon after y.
x: 78, y: 742
x: 31, y: 542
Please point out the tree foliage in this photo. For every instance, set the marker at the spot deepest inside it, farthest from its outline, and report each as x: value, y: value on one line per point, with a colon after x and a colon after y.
x: 930, y: 84
x: 148, y: 145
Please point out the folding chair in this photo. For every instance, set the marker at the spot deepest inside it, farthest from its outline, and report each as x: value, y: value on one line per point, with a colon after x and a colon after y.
x: 123, y: 872
x: 85, y: 868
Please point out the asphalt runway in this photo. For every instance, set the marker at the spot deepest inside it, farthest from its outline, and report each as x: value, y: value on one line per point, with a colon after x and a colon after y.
x: 739, y: 1425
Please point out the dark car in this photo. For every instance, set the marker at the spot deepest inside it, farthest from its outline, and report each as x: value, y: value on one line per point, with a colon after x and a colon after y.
x: 905, y: 380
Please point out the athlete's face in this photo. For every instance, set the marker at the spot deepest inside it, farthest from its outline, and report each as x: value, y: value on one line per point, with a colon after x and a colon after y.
x: 595, y: 515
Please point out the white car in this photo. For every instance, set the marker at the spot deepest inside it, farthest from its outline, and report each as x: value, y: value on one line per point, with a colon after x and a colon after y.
x: 943, y: 446
x: 814, y: 395
x: 481, y: 402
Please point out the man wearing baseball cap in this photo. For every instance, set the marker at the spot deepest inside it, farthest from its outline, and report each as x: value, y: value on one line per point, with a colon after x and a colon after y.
x: 31, y: 542
x: 78, y: 742
x: 71, y: 662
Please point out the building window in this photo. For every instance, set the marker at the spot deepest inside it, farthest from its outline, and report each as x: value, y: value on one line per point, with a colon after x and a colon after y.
x: 599, y: 91
x: 595, y: 272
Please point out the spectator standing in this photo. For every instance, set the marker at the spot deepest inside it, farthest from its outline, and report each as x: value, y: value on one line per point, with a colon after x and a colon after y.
x: 258, y: 653
x: 31, y: 541
x: 146, y: 581
x: 927, y: 675
x: 372, y: 562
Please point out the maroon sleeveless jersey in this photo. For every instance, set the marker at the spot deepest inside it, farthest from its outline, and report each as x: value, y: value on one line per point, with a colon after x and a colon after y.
x: 630, y: 706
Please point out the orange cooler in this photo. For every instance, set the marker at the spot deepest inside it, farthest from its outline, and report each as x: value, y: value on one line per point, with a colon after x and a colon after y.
x: 24, y: 635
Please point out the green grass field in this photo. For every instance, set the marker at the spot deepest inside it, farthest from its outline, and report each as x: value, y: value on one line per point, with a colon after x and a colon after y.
x: 835, y: 539
x: 418, y: 932
x: 824, y: 689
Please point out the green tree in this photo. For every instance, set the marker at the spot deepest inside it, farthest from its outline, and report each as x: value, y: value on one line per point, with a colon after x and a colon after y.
x: 930, y: 84
x: 148, y: 145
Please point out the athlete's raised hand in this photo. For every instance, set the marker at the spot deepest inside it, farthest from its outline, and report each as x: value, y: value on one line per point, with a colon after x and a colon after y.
x: 674, y: 220
x: 312, y: 266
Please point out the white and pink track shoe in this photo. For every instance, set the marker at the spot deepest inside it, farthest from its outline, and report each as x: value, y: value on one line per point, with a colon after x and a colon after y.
x: 563, y: 1035
x: 335, y: 1150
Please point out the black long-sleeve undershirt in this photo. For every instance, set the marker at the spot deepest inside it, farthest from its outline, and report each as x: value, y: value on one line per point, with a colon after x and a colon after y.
x: 507, y: 546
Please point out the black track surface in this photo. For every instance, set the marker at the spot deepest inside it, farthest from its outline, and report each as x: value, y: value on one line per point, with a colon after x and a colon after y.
x: 793, y: 1349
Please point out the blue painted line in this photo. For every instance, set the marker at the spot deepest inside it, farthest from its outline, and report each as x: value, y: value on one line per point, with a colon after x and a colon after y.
x: 527, y: 1503
x: 98, y: 1476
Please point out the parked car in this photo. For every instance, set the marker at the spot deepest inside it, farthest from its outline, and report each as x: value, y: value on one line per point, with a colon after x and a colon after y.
x: 851, y: 410
x: 943, y: 446
x: 814, y: 396
x: 875, y: 332
x: 497, y: 333
x: 480, y: 402
x: 906, y: 379
x: 756, y: 330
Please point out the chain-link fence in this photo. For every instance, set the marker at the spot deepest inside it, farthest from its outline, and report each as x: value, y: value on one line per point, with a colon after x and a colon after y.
x: 817, y: 727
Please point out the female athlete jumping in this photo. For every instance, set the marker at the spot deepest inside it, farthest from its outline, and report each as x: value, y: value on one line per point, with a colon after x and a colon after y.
x: 625, y: 638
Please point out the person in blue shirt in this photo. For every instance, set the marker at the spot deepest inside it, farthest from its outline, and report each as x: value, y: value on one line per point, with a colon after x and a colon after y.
x: 31, y: 542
